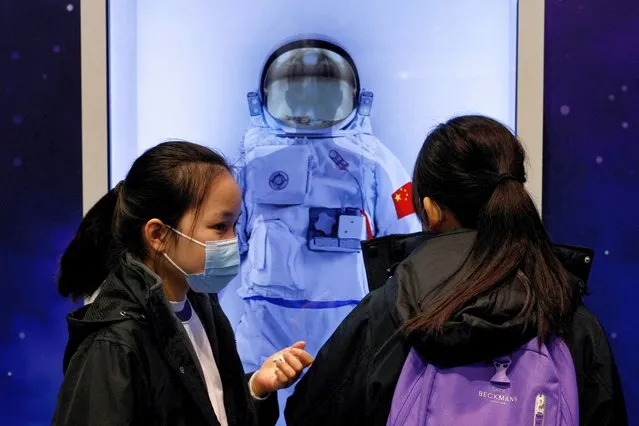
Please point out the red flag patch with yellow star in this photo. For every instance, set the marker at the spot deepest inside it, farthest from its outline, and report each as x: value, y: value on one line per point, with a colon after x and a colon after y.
x: 403, y: 200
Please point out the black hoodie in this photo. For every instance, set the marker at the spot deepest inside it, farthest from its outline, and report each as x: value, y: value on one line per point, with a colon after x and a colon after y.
x: 354, y: 375
x: 129, y: 361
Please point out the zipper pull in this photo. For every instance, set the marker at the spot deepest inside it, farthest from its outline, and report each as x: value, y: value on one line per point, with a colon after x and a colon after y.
x: 540, y: 410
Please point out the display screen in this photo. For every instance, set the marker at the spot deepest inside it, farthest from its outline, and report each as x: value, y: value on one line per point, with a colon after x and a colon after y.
x: 183, y: 69
x: 321, y: 107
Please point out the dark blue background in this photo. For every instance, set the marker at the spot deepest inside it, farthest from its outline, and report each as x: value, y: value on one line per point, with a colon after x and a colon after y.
x: 591, y: 158
x: 40, y: 199
x: 591, y: 185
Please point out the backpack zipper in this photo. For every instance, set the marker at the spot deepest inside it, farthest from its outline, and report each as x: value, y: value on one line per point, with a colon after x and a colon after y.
x: 540, y: 410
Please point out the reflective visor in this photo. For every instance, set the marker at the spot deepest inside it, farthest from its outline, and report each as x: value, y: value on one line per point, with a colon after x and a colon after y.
x: 309, y: 85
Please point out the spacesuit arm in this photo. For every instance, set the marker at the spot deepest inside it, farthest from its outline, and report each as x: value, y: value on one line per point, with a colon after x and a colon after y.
x: 240, y: 228
x: 231, y: 303
x: 393, y: 212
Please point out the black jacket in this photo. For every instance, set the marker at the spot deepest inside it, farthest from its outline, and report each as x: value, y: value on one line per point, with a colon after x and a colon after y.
x: 355, y: 373
x: 129, y: 361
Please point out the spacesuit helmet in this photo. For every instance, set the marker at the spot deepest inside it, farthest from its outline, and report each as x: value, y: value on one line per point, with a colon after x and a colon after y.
x: 310, y: 86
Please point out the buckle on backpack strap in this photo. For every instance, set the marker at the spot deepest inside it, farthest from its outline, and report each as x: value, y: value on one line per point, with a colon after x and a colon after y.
x: 501, y: 367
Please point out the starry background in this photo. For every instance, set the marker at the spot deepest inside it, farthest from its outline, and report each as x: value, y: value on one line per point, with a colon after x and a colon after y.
x: 591, y: 185
x: 591, y: 159
x: 40, y: 197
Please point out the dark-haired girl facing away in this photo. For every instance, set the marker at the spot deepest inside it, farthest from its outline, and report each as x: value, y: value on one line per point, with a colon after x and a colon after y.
x: 153, y: 347
x: 483, y: 282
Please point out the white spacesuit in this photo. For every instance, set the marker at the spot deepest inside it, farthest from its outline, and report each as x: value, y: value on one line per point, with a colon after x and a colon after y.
x: 315, y: 182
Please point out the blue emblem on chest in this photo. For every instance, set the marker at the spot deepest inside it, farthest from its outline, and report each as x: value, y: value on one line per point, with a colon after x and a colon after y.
x: 278, y: 180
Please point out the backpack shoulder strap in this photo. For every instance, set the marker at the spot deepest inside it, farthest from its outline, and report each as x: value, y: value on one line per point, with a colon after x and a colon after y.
x: 409, y: 388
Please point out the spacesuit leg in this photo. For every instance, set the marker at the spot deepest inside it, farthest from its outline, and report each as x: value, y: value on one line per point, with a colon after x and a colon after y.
x: 266, y: 328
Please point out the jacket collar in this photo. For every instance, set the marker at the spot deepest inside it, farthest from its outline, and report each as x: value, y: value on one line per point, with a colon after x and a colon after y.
x: 382, y: 255
x: 487, y: 327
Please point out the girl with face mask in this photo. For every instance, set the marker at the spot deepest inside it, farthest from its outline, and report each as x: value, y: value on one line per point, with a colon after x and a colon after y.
x: 153, y: 346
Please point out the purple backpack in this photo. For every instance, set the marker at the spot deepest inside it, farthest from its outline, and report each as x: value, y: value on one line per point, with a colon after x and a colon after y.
x: 533, y: 386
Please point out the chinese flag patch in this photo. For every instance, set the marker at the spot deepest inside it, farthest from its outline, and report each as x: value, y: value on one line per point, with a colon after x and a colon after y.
x: 403, y: 200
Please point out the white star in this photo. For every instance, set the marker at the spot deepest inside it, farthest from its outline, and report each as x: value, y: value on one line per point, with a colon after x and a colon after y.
x: 606, y: 252
x: 599, y: 159
x: 624, y: 124
x: 613, y: 335
x: 21, y: 335
x: 70, y: 7
x: 9, y: 374
x: 564, y: 110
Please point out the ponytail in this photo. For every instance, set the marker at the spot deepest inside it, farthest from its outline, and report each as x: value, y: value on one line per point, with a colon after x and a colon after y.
x: 511, y: 243
x: 474, y: 166
x: 87, y: 260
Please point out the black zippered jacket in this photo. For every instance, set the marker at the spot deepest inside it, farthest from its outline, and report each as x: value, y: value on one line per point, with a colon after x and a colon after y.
x: 355, y: 373
x: 129, y: 361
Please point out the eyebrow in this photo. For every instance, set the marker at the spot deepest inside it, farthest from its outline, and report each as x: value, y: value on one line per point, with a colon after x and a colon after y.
x: 227, y: 214
x: 218, y: 216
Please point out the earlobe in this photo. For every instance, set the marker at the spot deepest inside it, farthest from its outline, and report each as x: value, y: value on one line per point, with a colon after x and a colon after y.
x: 155, y: 235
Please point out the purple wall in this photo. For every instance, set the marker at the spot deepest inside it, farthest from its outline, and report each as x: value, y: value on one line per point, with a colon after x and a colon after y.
x: 591, y: 157
x: 40, y: 202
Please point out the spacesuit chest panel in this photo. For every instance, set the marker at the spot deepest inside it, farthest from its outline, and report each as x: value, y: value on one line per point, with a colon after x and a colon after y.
x: 337, y: 200
x: 305, y: 200
x: 320, y: 183
x: 278, y: 175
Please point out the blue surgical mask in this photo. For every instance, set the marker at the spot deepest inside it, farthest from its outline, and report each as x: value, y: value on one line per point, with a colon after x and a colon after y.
x: 221, y: 265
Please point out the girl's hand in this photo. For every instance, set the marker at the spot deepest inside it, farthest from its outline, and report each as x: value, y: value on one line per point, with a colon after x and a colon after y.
x: 281, y: 370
